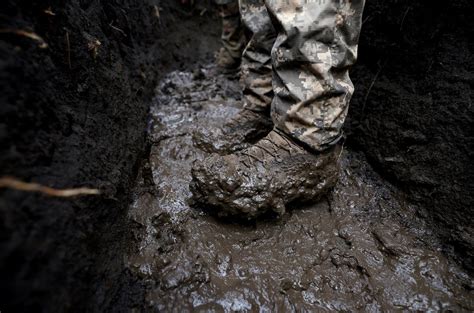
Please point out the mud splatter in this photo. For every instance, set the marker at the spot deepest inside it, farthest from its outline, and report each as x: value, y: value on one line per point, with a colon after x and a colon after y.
x: 363, y: 248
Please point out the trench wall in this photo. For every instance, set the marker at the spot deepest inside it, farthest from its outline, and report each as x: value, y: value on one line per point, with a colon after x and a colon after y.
x: 74, y: 114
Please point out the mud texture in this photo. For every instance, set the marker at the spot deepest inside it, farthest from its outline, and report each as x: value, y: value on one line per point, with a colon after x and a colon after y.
x: 364, y: 248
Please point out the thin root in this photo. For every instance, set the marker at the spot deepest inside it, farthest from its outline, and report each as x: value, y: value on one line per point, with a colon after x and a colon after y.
x: 49, y: 11
x: 68, y: 50
x: 41, y: 43
x: 370, y: 88
x: 340, y: 153
x: 12, y: 183
x: 118, y: 29
x: 403, y: 18
x: 157, y: 13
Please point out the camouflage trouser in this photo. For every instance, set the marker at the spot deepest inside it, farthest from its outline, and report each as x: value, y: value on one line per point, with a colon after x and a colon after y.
x: 256, y: 68
x: 315, y: 46
x: 233, y: 38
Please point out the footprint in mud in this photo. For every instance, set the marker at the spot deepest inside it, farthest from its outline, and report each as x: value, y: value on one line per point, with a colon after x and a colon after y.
x: 360, y: 250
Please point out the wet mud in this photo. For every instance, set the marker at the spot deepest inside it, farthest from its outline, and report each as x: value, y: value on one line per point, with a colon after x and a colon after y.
x: 364, y: 247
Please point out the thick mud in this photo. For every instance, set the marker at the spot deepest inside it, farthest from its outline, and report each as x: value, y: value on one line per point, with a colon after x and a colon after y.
x: 364, y: 247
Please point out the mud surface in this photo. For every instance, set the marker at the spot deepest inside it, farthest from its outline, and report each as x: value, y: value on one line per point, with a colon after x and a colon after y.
x: 365, y: 247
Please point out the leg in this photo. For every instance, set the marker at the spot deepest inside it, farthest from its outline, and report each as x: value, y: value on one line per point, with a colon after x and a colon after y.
x: 233, y: 38
x: 253, y: 121
x: 316, y: 45
x: 256, y: 69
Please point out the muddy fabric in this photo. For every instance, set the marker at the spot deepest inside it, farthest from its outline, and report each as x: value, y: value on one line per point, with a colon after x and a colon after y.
x: 233, y: 37
x: 256, y: 68
x: 315, y: 47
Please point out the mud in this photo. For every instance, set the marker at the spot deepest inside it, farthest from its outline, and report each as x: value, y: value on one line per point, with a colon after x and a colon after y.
x: 364, y: 247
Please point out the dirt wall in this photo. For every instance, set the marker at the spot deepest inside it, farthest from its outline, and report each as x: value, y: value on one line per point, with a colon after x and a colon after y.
x: 74, y: 106
x: 412, y: 111
x: 73, y: 114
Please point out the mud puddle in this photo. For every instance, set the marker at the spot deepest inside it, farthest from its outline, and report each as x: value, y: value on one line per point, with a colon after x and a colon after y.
x: 362, y: 249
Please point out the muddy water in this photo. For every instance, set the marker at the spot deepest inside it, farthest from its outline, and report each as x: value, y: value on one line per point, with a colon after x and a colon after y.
x: 363, y: 248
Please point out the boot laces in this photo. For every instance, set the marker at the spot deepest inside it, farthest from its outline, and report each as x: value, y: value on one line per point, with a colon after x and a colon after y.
x: 262, y: 149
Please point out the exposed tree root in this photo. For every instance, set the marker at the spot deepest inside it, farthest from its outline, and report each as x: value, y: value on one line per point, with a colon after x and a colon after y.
x: 9, y: 182
x: 41, y: 43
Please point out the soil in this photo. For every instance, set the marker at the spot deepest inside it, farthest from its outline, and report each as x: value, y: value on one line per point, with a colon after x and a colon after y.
x: 75, y: 114
x: 395, y: 233
x: 412, y: 112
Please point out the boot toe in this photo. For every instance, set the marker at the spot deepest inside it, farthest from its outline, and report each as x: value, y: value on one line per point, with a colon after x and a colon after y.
x: 214, y: 180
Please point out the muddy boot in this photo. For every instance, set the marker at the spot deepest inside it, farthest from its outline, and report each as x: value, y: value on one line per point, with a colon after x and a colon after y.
x: 245, y: 128
x: 264, y: 178
x: 226, y: 62
x: 232, y: 37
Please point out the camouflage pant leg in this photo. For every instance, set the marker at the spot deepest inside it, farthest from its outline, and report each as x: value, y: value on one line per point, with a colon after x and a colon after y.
x: 316, y: 45
x: 233, y: 38
x: 256, y: 68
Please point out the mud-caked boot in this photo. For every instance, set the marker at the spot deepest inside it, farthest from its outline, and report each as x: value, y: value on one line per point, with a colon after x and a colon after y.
x: 238, y: 133
x: 263, y: 178
x: 226, y: 62
x: 233, y: 36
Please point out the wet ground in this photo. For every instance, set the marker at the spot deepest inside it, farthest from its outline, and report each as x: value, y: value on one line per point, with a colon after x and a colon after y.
x: 363, y: 248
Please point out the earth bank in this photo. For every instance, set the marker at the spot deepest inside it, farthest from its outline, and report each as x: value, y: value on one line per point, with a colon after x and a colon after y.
x: 76, y: 82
